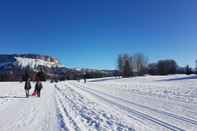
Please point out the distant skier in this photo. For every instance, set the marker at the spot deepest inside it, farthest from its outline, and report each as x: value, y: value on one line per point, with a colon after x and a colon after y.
x: 84, y: 77
x: 27, y: 87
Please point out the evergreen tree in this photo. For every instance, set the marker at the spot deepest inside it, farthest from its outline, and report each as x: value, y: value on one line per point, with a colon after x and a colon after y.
x: 166, y: 67
x: 188, y: 70
x: 131, y: 66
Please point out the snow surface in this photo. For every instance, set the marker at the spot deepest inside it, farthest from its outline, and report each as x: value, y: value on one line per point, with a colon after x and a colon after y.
x: 150, y: 103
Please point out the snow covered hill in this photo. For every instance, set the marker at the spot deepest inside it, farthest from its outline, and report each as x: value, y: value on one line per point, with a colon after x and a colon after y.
x: 29, y: 60
x: 13, y: 67
x: 151, y: 103
x: 34, y: 63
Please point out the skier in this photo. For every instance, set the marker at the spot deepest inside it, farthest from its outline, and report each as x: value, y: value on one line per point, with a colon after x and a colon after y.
x: 38, y: 87
x: 27, y: 87
x: 84, y: 76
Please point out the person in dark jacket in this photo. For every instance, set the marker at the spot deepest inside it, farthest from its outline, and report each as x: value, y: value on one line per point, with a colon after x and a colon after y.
x: 84, y: 77
x: 38, y: 87
x: 27, y: 87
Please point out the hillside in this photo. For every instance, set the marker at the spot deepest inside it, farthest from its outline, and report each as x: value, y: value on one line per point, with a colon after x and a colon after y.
x: 13, y: 67
x: 31, y: 60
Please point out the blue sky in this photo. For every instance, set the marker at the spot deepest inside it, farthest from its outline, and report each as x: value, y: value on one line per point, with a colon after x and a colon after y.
x: 91, y: 33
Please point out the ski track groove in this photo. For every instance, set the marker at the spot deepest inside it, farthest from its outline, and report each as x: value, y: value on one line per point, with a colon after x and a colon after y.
x: 75, y: 126
x: 119, y: 127
x: 134, y: 112
x: 149, y: 108
x: 62, y: 124
x: 191, y: 121
x: 174, y: 98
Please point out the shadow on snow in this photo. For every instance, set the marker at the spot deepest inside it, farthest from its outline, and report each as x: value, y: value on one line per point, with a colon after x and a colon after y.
x: 12, y: 97
x: 181, y: 78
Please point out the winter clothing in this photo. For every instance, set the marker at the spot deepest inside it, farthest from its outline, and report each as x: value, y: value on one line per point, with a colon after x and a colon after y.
x: 84, y: 77
x: 27, y: 93
x: 38, y: 88
x: 27, y: 87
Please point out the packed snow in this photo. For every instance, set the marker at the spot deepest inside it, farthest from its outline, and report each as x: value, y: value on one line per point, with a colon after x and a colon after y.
x: 149, y: 103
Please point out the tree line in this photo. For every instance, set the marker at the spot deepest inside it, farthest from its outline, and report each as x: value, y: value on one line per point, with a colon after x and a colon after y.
x: 137, y: 65
x: 131, y: 65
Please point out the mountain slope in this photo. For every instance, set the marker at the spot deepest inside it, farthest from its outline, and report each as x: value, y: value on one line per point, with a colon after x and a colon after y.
x: 31, y: 60
x: 13, y: 67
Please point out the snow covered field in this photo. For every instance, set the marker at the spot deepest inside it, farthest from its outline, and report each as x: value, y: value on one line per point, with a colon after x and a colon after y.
x: 150, y: 103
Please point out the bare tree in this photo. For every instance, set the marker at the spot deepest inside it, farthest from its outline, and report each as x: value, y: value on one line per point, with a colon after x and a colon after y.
x: 127, y: 64
x: 139, y: 63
